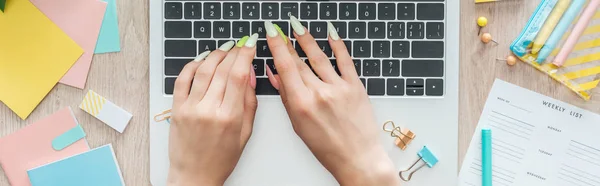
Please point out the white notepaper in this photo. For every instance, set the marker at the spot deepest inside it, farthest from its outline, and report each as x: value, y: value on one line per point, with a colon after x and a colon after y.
x: 537, y: 140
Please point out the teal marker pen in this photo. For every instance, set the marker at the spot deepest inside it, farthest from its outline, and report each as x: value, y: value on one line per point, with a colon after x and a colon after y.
x: 486, y: 157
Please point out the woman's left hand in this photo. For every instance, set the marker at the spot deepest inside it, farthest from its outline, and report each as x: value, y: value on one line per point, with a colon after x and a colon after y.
x: 214, y: 105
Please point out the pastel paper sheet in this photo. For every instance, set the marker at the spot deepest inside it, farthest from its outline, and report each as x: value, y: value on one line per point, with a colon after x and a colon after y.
x: 97, y: 167
x: 106, y: 111
x: 581, y: 70
x: 81, y: 20
x: 34, y: 56
x: 109, y: 39
x: 31, y: 146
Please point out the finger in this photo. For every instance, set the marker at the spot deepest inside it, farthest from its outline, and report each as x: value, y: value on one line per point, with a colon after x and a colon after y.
x: 239, y: 77
x: 250, y: 105
x: 206, y: 71
x: 284, y: 62
x: 318, y: 60
x: 216, y: 89
x: 183, y: 84
x: 344, y: 61
x: 308, y: 76
x: 272, y: 79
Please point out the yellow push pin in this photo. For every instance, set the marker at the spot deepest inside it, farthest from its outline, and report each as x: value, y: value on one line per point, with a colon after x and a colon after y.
x: 481, y: 22
x: 510, y: 60
x: 487, y: 37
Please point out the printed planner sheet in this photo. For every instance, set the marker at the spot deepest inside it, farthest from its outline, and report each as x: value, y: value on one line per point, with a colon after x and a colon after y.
x: 536, y: 140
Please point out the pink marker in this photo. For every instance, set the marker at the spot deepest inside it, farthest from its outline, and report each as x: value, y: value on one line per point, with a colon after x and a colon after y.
x: 583, y: 22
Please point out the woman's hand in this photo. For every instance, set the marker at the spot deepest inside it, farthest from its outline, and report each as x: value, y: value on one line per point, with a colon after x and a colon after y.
x: 332, y: 114
x: 209, y: 127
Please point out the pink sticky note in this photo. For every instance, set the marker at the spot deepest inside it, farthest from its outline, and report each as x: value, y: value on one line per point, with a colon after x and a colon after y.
x: 31, y: 146
x: 81, y: 20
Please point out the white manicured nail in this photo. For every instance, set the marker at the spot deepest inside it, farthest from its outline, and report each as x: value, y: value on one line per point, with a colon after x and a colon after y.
x: 271, y: 31
x: 332, y: 31
x: 297, y: 26
x: 252, y: 41
x: 227, y: 46
x: 201, y: 56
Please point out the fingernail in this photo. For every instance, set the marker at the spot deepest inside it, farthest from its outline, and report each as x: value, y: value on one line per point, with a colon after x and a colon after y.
x: 271, y: 32
x: 242, y: 41
x: 201, y: 56
x: 283, y: 36
x: 297, y: 26
x: 227, y: 46
x: 252, y: 41
x: 332, y: 31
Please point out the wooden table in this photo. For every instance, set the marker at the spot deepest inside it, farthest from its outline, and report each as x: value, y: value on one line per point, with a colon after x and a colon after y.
x: 123, y: 78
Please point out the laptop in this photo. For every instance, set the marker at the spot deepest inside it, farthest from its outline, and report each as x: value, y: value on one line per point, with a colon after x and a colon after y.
x: 405, y: 51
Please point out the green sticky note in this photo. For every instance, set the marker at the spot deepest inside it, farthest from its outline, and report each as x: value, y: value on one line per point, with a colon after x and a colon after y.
x: 2, y: 5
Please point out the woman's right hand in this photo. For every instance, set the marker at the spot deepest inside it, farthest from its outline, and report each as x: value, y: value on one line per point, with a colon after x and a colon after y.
x: 331, y: 114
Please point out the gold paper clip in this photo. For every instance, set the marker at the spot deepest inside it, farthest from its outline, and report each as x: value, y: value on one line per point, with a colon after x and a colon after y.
x: 428, y: 159
x: 403, y: 136
x: 164, y: 115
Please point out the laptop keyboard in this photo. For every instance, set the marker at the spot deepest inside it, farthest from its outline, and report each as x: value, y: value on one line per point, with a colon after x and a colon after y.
x: 398, y: 47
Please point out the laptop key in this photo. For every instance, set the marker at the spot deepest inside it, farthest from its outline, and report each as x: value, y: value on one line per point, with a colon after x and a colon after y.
x: 262, y: 49
x: 174, y: 66
x: 240, y: 29
x: 271, y: 65
x: 390, y: 68
x: 406, y: 11
x: 169, y: 85
x: 386, y: 11
x: 357, y: 30
x: 376, y: 30
x: 180, y: 48
x: 434, y: 87
x: 348, y: 11
x: 299, y: 50
x: 395, y: 30
x: 328, y: 11
x: 366, y: 11
x: 422, y: 68
x: 381, y: 49
x: 324, y: 45
x: 371, y: 67
x: 430, y: 11
x: 341, y: 29
x: 348, y: 47
x: 284, y: 25
x: 318, y: 29
x: 415, y: 30
x: 221, y: 29
x: 304, y: 23
x: 309, y: 11
x: 357, y: 66
x: 193, y: 11
x: 435, y: 30
x: 264, y: 87
x: 173, y: 10
x: 427, y: 49
x: 259, y: 67
x: 288, y: 9
x: 206, y: 45
x: 400, y: 49
x: 178, y: 29
x: 212, y: 10
x: 202, y: 29
x: 364, y: 82
x: 231, y: 10
x: 250, y: 11
x: 395, y: 86
x: 376, y: 86
x: 415, y: 87
x: 259, y: 28
x: 270, y: 11
x: 361, y: 49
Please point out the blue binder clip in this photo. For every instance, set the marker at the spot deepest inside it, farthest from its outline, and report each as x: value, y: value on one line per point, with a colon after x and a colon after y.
x: 428, y: 159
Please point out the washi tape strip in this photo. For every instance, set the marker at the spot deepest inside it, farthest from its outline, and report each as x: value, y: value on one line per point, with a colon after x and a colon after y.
x: 106, y: 111
x: 66, y: 139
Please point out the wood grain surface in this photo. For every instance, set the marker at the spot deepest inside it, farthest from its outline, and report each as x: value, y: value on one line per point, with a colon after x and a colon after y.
x: 123, y: 78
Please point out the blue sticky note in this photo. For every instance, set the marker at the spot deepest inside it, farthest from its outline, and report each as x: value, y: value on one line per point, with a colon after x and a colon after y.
x: 97, y: 167
x: 108, y: 39
x: 68, y: 138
